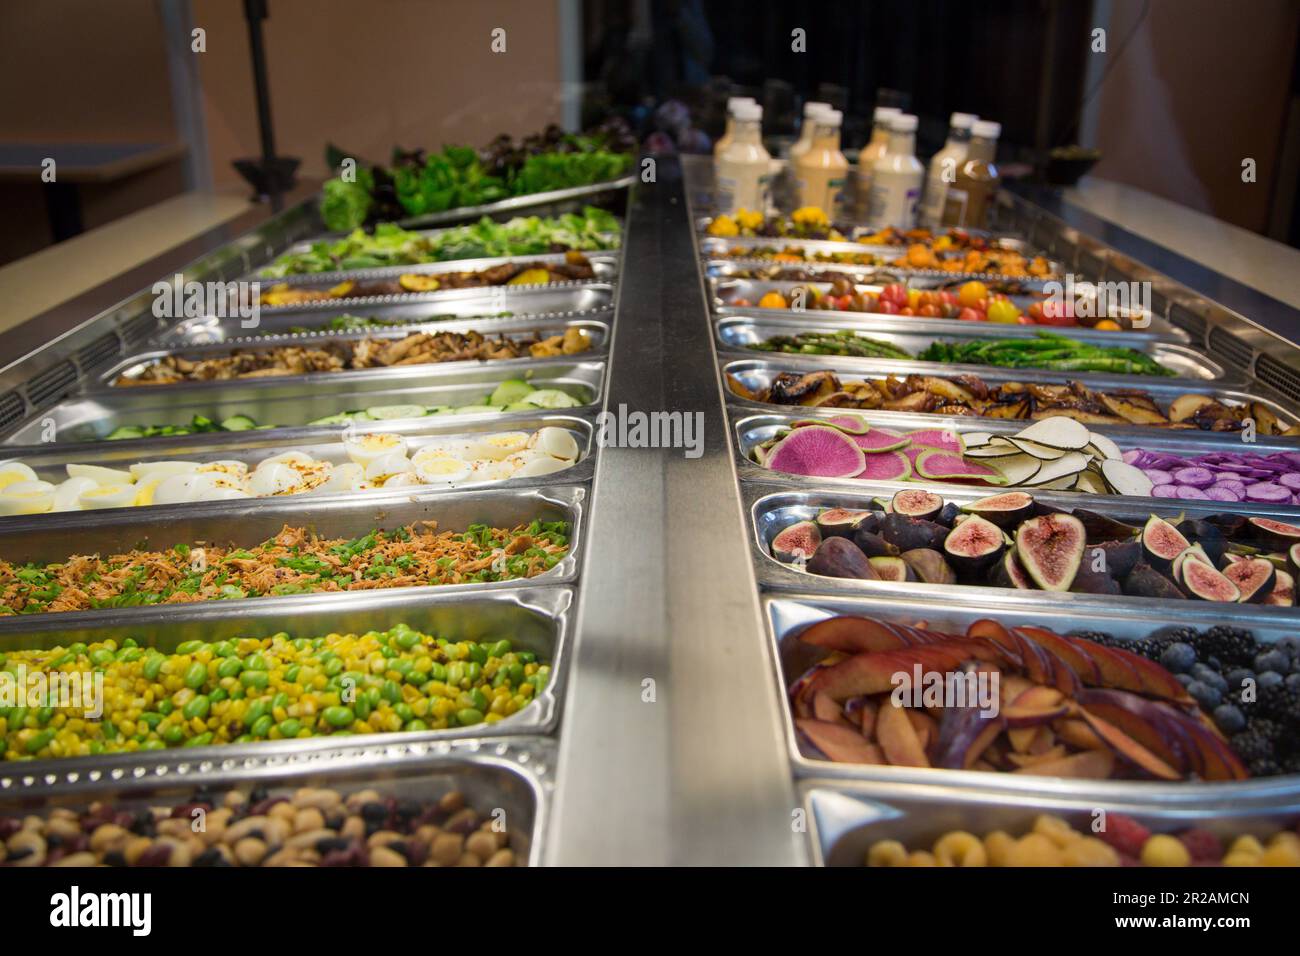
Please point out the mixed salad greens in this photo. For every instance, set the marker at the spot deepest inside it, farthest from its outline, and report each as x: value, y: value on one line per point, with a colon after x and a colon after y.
x: 416, y: 183
x: 390, y: 245
x: 512, y: 395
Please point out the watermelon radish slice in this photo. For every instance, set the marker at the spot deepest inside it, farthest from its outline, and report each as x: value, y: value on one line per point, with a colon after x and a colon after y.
x: 886, y: 466
x: 817, y: 451
x: 945, y: 439
x: 882, y: 439
x: 942, y: 466
x: 850, y: 424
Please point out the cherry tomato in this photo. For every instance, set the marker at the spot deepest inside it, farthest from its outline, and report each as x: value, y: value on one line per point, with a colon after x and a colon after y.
x: 895, y: 293
x: 972, y: 292
x: 887, y: 306
x: 949, y: 298
x: 906, y: 310
x: 970, y: 315
x: 930, y: 311
x: 1026, y: 320
x: 1003, y: 310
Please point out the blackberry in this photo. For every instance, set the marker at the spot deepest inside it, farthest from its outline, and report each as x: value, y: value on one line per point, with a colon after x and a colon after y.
x: 1233, y: 646
x: 1251, y: 747
x: 1278, y: 702
x: 1097, y: 637
x: 1263, y: 727
x: 1264, y: 768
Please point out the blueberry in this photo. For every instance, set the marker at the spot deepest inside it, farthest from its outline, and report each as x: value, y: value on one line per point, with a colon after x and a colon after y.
x: 1184, y: 679
x: 1238, y: 676
x: 1205, y: 695
x: 1293, y: 682
x: 1178, y: 657
x: 1290, y: 644
x: 1273, y: 660
x: 1210, y: 676
x: 1268, y: 679
x: 1229, y: 718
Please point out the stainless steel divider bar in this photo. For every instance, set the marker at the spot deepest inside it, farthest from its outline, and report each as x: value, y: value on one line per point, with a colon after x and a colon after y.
x: 700, y: 775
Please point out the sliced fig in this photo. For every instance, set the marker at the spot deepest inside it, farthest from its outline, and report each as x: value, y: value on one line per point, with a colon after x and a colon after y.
x: 908, y: 534
x: 1254, y: 579
x: 1005, y: 510
x: 929, y: 566
x: 1275, y: 532
x: 1162, y: 542
x: 841, y: 558
x: 1146, y: 581
x: 892, y: 569
x: 796, y: 542
x: 1194, y: 553
x: 974, y: 545
x: 1204, y: 581
x: 1051, y: 549
x: 841, y: 521
x: 1283, y: 594
x: 915, y: 503
x: 1008, y: 573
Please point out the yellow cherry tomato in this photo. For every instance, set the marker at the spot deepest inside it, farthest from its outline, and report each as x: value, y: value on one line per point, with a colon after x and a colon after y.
x: 971, y: 293
x: 1003, y: 310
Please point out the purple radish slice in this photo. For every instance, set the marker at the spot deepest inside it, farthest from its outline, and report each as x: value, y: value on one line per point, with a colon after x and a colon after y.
x: 886, y: 466
x: 1158, y: 477
x: 817, y: 451
x: 1292, y: 456
x: 1164, y: 491
x: 1195, y: 477
x: 940, y: 465
x: 850, y: 424
x: 881, y: 439
x: 1133, y: 455
x: 945, y: 439
x: 1290, y: 480
x: 1268, y: 493
x: 1191, y: 493
x: 1232, y: 485
x: 1222, y: 493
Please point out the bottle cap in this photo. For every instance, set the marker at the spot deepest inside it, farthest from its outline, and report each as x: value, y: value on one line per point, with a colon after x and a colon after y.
x: 963, y: 120
x: 812, y: 109
x: 883, y: 113
x: 986, y: 129
x: 903, y: 123
x: 734, y: 101
x: 747, y: 112
x: 829, y: 117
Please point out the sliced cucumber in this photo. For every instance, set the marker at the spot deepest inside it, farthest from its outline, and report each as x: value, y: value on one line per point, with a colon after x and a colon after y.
x: 551, y: 398
x: 341, y: 419
x: 476, y: 409
x: 387, y: 412
x: 520, y: 407
x: 238, y: 423
x: 510, y: 391
x: 124, y: 432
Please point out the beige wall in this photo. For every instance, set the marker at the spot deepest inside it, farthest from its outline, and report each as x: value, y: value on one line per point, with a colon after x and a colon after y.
x: 370, y: 75
x: 1202, y: 85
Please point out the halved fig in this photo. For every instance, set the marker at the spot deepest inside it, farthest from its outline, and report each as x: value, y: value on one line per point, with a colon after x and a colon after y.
x: 1204, y: 581
x: 1051, y: 549
x: 1283, y: 593
x: 973, y: 545
x: 1004, y: 510
x: 1254, y: 579
x: 925, y: 505
x: 1162, y: 542
x: 840, y: 521
x: 892, y: 569
x: 1008, y: 573
x: 796, y: 542
x: 929, y: 566
x: 1275, y: 532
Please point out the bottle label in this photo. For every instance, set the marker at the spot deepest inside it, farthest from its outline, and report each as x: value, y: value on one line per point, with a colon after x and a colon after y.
x: 954, y: 206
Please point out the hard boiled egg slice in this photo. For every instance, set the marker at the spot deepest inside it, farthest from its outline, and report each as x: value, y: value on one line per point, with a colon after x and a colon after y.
x: 144, y: 470
x: 498, y: 445
x: 366, y: 448
x: 67, y: 496
x: 542, y: 466
x: 26, y: 498
x: 384, y: 467
x: 109, y: 496
x: 556, y: 442
x: 273, y: 479
x: 344, y: 477
x: 225, y: 492
x: 14, y: 471
x: 172, y: 490
x: 442, y: 471
x: 228, y: 467
x: 405, y: 479
x: 101, y: 475
x: 291, y: 457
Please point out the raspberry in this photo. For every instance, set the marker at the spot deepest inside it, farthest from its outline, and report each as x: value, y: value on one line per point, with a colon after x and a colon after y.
x: 1202, y: 845
x: 1124, y: 834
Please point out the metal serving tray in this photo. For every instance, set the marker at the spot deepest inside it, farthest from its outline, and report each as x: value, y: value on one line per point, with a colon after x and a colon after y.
x: 717, y: 247
x: 738, y: 332
x: 519, y: 203
x: 513, y: 775
x: 758, y: 375
x: 752, y: 430
x: 724, y: 269
x: 253, y: 446
x: 787, y: 616
x: 771, y: 511
x: 534, y: 619
x: 604, y: 264
x: 46, y: 539
x: 292, y: 403
x: 531, y: 304
x: 846, y: 820
x: 724, y: 291
x: 542, y: 327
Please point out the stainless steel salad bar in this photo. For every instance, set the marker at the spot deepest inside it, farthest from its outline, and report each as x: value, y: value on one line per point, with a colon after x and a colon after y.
x: 646, y: 652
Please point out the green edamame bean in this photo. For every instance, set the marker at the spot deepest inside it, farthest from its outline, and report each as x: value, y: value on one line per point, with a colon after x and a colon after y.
x: 291, y: 675
x: 101, y: 657
x: 230, y: 667
x: 480, y: 701
x: 188, y: 647
x: 404, y: 711
x: 262, y: 726
x: 195, y: 675
x: 473, y: 672
x: 257, y: 679
x: 338, y: 716
x: 151, y: 719
x: 202, y: 740
x: 290, y: 727
x: 255, y: 663
x: 153, y: 663
x: 391, y: 692
x: 500, y: 649
x: 39, y: 741
x: 198, y: 707
x: 438, y: 671
x: 455, y: 673
x: 173, y: 735
x: 468, y: 716
x: 415, y: 725
x: 478, y: 653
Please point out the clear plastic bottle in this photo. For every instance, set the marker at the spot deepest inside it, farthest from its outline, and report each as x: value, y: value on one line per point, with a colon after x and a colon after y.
x: 943, y: 168
x: 874, y: 149
x: 970, y: 196
x: 743, y: 171
x: 727, y: 134
x: 804, y: 143
x: 821, y: 172
x: 897, y: 177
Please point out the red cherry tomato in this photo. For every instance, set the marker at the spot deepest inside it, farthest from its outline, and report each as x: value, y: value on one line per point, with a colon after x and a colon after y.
x: 896, y: 293
x: 887, y: 306
x: 906, y: 310
x: 970, y: 315
x: 929, y: 310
